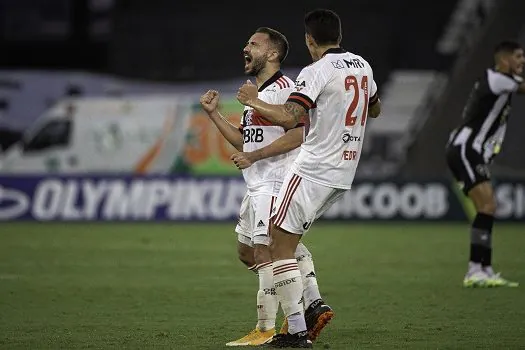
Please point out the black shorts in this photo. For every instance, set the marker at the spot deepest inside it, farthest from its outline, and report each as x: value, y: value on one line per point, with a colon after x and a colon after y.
x: 467, y: 166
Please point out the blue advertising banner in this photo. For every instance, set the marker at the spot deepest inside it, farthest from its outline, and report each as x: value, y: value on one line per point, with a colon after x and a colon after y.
x: 181, y: 198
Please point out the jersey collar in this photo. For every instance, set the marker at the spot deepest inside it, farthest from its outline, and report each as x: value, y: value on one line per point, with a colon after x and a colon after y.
x: 272, y: 80
x: 334, y: 50
x: 517, y: 78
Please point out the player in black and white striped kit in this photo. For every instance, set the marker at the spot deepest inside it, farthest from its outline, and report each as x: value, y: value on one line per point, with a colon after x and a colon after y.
x: 472, y: 147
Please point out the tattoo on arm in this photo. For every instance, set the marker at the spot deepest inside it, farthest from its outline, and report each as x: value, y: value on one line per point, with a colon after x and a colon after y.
x: 295, y: 110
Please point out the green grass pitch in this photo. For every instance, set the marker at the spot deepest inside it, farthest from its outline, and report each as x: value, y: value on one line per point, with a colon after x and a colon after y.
x: 180, y: 286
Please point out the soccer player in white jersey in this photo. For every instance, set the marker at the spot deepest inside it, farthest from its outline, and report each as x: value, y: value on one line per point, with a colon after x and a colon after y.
x: 266, y: 152
x: 339, y: 93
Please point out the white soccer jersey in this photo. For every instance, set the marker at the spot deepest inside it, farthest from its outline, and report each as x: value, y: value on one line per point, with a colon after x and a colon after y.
x: 336, y: 90
x: 266, y: 175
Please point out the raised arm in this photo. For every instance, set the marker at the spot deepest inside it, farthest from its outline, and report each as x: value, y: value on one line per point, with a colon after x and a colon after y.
x: 287, y: 115
x: 209, y: 102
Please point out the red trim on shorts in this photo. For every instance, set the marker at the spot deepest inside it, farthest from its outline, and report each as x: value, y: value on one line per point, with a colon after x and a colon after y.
x: 283, y: 208
x: 270, y: 215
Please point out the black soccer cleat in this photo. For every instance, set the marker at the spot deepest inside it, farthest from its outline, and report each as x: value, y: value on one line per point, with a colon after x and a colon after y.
x: 298, y: 340
x: 317, y: 317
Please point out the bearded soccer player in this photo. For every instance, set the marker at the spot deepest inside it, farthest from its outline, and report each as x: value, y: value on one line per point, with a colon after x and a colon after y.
x: 266, y: 152
x: 473, y: 145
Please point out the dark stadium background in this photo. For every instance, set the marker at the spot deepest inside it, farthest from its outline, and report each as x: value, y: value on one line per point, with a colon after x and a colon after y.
x: 393, y: 284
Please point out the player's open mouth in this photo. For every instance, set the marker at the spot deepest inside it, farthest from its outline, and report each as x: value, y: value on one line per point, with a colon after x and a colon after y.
x: 247, y: 58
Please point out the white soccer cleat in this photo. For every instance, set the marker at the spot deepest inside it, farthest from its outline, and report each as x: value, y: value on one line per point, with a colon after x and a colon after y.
x: 477, y: 279
x: 495, y: 280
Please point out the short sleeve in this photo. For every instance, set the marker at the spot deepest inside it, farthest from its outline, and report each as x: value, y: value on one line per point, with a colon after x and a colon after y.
x: 282, y: 96
x: 500, y: 83
x: 373, y: 93
x: 308, y: 86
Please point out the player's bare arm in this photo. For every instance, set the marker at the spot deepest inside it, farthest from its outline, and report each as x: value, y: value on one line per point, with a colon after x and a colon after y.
x: 374, y: 110
x: 287, y: 115
x: 521, y: 88
x: 284, y: 144
x: 209, y: 102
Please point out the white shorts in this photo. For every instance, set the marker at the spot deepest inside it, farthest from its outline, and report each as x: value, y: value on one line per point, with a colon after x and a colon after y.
x: 254, y: 220
x: 300, y: 202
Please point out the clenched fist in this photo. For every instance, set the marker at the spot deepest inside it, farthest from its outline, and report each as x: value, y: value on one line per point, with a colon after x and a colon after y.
x: 243, y: 160
x: 247, y: 93
x: 210, y: 101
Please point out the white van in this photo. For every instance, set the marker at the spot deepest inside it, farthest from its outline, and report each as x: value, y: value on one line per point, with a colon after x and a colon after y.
x: 138, y: 135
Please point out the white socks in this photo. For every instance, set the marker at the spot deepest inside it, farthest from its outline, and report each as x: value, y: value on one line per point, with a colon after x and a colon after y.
x: 267, y: 302
x: 306, y: 266
x: 289, y: 288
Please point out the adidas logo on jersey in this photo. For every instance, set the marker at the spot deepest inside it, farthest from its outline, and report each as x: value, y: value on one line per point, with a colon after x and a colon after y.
x: 311, y: 274
x: 260, y: 224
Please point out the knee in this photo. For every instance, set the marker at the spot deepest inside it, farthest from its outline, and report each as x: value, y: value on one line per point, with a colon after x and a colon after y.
x: 282, y: 247
x: 246, y: 255
x: 488, y: 206
x: 261, y: 254
x: 482, y: 196
x: 273, y: 249
x: 301, y: 252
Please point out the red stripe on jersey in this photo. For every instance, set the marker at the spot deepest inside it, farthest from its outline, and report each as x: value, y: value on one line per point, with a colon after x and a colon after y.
x: 302, y: 101
x: 283, y: 82
x: 279, y: 83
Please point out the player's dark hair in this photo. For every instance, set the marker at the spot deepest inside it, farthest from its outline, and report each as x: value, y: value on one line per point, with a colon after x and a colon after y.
x: 277, y: 39
x: 324, y: 26
x: 506, y: 46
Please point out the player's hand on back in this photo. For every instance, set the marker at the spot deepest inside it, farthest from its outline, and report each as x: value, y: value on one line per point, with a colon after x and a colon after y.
x: 243, y: 160
x: 210, y: 100
x: 247, y: 93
